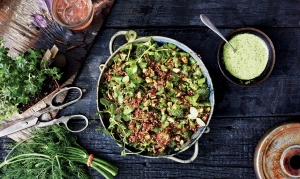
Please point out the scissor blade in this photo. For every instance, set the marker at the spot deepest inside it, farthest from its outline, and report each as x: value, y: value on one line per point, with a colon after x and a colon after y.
x: 19, y: 126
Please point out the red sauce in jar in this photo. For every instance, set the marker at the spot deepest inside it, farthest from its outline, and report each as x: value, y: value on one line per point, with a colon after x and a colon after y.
x: 72, y: 12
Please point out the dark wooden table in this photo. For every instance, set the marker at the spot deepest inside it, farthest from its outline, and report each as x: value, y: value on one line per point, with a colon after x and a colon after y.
x: 241, y: 116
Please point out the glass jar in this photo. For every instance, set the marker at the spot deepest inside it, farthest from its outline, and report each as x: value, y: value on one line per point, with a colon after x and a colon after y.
x: 73, y: 14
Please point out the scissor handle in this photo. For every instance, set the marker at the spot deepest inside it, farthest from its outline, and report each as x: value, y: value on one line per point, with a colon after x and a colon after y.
x: 68, y: 103
x: 66, y: 119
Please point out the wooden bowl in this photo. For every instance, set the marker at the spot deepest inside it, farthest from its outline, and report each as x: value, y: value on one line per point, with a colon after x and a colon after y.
x: 270, y: 63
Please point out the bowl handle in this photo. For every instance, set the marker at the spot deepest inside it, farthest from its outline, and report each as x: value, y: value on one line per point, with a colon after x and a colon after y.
x: 112, y: 39
x: 194, y: 156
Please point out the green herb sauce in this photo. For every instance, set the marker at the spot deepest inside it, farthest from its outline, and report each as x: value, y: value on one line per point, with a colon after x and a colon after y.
x: 249, y: 58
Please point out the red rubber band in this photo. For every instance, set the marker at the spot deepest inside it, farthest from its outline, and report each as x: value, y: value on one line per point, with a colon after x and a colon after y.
x: 89, y: 161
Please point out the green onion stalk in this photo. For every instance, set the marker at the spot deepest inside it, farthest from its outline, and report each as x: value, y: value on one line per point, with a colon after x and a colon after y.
x: 103, y: 167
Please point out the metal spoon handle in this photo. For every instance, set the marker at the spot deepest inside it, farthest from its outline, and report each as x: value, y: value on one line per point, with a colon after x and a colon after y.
x: 210, y: 25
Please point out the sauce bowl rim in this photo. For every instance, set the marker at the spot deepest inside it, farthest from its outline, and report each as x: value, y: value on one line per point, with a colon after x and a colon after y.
x: 270, y: 64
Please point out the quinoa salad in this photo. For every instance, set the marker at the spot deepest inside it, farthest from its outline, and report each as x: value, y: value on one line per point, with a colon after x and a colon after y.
x: 155, y: 97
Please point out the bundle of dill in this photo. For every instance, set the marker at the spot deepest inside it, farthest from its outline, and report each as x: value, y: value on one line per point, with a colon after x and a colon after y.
x: 51, y: 152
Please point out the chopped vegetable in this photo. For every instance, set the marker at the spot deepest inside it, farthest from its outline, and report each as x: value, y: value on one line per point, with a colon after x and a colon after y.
x: 165, y: 97
x: 52, y: 152
x: 131, y: 36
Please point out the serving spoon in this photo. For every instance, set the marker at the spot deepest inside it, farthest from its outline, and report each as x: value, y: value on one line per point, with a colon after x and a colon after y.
x: 210, y: 25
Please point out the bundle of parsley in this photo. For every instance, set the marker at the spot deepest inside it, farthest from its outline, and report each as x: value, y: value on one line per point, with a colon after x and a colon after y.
x: 52, y: 152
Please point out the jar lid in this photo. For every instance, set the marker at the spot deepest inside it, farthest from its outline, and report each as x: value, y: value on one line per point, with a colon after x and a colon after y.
x: 277, y: 154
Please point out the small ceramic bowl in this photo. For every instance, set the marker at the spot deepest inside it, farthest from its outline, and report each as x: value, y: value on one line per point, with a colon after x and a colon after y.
x: 270, y: 62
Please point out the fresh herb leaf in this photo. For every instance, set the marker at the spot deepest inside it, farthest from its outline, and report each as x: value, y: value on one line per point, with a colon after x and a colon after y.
x: 21, y: 77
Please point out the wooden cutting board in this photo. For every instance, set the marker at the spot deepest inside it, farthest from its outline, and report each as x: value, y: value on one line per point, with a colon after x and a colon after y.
x: 19, y: 32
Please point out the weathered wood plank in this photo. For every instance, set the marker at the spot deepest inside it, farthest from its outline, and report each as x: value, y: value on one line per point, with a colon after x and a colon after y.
x: 226, y: 13
x: 225, y: 152
x: 20, y: 33
x: 241, y: 116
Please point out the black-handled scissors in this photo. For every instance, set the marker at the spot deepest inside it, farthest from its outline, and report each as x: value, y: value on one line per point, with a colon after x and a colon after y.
x: 35, y: 121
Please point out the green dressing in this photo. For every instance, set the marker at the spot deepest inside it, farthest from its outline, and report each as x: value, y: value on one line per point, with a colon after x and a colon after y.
x: 249, y: 58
